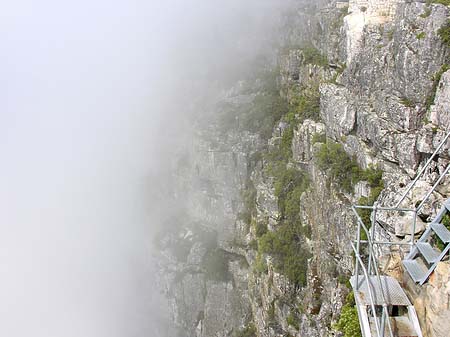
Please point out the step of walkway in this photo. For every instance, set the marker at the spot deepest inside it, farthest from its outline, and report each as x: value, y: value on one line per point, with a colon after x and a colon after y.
x: 447, y: 204
x: 430, y: 254
x: 441, y: 231
x: 417, y: 270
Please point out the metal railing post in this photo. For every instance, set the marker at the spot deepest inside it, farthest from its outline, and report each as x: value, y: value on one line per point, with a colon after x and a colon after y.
x: 358, y: 241
x: 413, y: 229
x: 369, y: 288
x: 372, y: 234
x: 447, y: 169
x: 423, y: 169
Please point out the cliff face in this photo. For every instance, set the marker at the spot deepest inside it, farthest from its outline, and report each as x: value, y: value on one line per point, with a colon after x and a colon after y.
x: 366, y: 90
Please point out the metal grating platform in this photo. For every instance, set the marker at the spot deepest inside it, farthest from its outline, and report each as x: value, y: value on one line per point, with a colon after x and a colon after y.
x: 392, y: 290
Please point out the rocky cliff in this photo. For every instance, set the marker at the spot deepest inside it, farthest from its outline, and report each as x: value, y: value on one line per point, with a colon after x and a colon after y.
x: 357, y: 102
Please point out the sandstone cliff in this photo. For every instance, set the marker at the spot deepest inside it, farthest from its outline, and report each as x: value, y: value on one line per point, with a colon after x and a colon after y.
x: 357, y: 102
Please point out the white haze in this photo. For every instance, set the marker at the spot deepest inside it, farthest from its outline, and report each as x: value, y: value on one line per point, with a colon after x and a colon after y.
x: 95, y: 97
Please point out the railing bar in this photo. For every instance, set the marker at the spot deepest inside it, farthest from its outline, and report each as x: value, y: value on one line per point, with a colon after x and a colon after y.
x: 434, y: 187
x: 389, y: 322
x: 423, y: 170
x: 388, y: 243
x: 358, y: 240
x: 386, y: 208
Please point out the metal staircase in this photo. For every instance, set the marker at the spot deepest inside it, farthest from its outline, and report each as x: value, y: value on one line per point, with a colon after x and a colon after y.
x: 382, y: 305
x: 425, y: 255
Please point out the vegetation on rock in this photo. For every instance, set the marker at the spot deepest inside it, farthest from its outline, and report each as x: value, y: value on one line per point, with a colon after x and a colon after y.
x: 292, y: 320
x: 446, y: 222
x: 348, y: 322
x: 444, y: 33
x: 285, y: 246
x: 442, y: 2
x: 436, y: 78
x: 344, y: 170
x: 312, y: 55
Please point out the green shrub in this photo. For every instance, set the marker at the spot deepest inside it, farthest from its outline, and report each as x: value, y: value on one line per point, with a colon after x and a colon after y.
x: 420, y: 36
x: 318, y: 138
x: 436, y: 78
x: 446, y: 222
x: 442, y: 2
x: 253, y: 244
x: 305, y: 105
x: 444, y: 33
x: 333, y: 159
x: 260, y: 229
x: 285, y: 148
x: 292, y: 320
x: 289, y: 185
x: 312, y: 55
x: 349, y: 322
x: 364, y: 213
x: 260, y: 262
x: 290, y: 258
x: 374, y: 177
x: 249, y: 201
x: 407, y: 102
x: 344, y: 280
x: 426, y: 13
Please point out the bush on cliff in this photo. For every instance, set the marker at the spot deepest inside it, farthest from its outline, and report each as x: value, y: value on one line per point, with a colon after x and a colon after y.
x: 290, y: 258
x: 442, y: 2
x: 332, y: 159
x: 349, y: 322
x: 344, y: 170
x: 311, y: 55
x: 305, y: 106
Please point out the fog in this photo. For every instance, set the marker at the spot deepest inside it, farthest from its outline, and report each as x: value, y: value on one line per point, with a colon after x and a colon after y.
x: 95, y: 99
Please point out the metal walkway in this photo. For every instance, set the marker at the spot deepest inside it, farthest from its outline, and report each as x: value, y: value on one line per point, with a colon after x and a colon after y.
x: 388, y: 290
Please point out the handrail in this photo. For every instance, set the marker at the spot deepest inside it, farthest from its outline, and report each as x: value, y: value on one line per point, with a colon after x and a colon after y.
x: 375, y: 267
x: 434, y: 187
x: 381, y: 208
x: 441, y: 144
